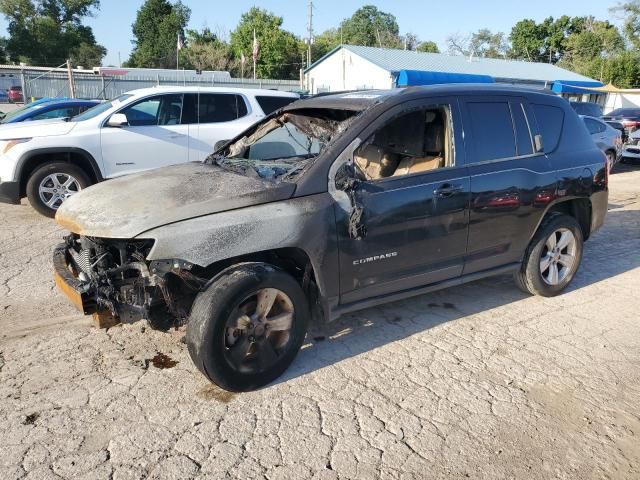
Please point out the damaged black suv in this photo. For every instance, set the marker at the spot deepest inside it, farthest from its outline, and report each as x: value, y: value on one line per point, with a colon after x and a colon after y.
x: 333, y: 204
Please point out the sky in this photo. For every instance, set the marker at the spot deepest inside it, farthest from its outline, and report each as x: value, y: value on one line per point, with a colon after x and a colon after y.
x: 429, y: 19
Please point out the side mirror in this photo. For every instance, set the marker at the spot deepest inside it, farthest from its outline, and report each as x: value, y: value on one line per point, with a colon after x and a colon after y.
x: 346, y: 177
x: 118, y: 120
x: 537, y: 143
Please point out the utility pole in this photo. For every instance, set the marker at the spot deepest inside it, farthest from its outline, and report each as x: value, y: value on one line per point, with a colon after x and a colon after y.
x: 72, y: 85
x: 310, y: 33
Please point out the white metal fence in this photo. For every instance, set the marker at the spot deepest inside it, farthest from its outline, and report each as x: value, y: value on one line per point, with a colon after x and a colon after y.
x: 56, y: 84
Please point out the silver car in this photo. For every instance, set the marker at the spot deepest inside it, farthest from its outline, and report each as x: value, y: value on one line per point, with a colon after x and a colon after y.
x: 632, y: 148
x: 608, y: 139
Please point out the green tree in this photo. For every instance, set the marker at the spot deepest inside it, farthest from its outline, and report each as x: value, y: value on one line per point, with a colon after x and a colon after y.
x: 630, y: 12
x: 206, y: 50
x: 428, y: 47
x: 527, y: 41
x: 486, y: 44
x: 324, y: 43
x: 47, y: 32
x: 371, y: 27
x: 591, y: 50
x: 623, y: 70
x: 156, y: 29
x: 280, y: 51
x: 482, y: 43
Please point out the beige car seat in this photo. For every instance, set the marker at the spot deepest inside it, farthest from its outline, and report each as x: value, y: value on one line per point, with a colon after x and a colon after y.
x: 375, y: 163
x: 435, y: 150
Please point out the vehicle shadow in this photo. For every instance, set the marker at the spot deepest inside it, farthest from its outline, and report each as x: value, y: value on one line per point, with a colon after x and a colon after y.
x: 613, y: 250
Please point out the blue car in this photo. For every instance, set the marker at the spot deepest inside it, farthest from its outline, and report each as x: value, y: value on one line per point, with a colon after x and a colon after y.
x: 48, y: 108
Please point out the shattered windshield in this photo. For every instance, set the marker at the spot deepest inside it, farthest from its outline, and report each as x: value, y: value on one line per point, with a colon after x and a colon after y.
x: 281, y: 147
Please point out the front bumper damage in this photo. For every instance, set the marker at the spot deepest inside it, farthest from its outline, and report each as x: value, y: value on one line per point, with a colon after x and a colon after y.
x: 113, y: 278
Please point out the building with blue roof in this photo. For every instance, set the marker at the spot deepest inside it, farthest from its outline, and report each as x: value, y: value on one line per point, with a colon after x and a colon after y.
x: 350, y: 67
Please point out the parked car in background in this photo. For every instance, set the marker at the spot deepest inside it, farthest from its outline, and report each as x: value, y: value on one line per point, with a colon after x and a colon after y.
x: 49, y: 109
x: 629, y: 117
x: 607, y: 138
x: 4, y: 96
x: 589, y: 109
x: 631, y: 150
x: 140, y: 130
x: 15, y: 94
x: 618, y: 126
x: 338, y: 203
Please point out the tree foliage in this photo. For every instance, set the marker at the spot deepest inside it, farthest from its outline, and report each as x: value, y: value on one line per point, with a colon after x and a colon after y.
x: 206, y: 50
x: 156, y: 29
x: 47, y: 32
x: 280, y: 50
x: 428, y: 47
x: 371, y: 27
x: 630, y: 12
x: 483, y: 43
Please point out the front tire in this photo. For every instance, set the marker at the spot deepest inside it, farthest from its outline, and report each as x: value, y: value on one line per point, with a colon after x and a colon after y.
x: 553, y: 256
x: 246, y: 328
x: 52, y: 183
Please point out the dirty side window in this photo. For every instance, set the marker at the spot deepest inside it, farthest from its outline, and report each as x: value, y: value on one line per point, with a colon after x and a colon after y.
x: 159, y: 110
x: 414, y: 142
x: 220, y: 107
x: 550, y: 120
x: 270, y: 104
x: 492, y: 128
x: 281, y: 147
x: 523, y: 132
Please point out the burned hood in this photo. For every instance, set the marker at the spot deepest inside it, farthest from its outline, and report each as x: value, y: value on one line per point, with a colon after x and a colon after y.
x: 128, y: 206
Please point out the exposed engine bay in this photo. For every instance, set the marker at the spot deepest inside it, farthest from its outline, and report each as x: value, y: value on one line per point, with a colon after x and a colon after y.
x: 114, y: 276
x: 281, y: 148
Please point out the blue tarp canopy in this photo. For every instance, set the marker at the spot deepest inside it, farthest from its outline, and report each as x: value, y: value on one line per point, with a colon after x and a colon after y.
x: 418, y: 77
x: 572, y: 86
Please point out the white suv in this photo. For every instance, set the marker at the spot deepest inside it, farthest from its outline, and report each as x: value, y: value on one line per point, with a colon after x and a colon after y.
x: 48, y: 161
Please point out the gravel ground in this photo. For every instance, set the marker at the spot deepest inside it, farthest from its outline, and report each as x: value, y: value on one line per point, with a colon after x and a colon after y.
x: 478, y: 381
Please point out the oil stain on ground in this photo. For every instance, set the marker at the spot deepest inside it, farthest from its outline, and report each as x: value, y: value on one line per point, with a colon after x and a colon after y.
x: 163, y: 361
x: 216, y: 393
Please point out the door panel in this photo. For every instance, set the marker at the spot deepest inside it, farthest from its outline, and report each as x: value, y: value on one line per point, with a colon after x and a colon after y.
x: 415, y: 224
x: 509, y: 195
x: 154, y: 138
x: 416, y: 234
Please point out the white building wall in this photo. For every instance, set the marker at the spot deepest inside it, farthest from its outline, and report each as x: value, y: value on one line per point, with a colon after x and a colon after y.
x: 622, y: 100
x: 344, y: 70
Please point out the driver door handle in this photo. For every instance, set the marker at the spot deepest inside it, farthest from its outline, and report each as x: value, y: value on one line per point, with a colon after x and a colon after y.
x: 447, y: 190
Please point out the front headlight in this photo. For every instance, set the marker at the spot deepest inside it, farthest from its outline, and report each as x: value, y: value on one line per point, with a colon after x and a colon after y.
x: 6, y: 145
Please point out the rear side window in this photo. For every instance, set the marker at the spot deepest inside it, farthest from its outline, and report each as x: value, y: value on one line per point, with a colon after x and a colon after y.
x: 550, y: 120
x: 492, y: 130
x: 270, y: 104
x: 220, y: 107
x: 523, y: 132
x: 590, y: 109
x: 593, y: 126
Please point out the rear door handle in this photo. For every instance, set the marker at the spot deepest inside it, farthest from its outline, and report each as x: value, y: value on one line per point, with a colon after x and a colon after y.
x: 447, y: 190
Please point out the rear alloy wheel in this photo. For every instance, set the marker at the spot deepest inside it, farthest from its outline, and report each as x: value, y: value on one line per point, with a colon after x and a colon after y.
x: 553, y: 256
x: 50, y: 185
x: 246, y: 328
x: 558, y: 256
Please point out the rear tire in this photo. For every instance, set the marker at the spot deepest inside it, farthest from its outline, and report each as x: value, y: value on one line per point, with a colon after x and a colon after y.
x: 235, y: 345
x: 553, y: 256
x: 50, y: 184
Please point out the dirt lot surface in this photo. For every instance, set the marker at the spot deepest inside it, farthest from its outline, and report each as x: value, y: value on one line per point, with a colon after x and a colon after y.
x: 479, y: 381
